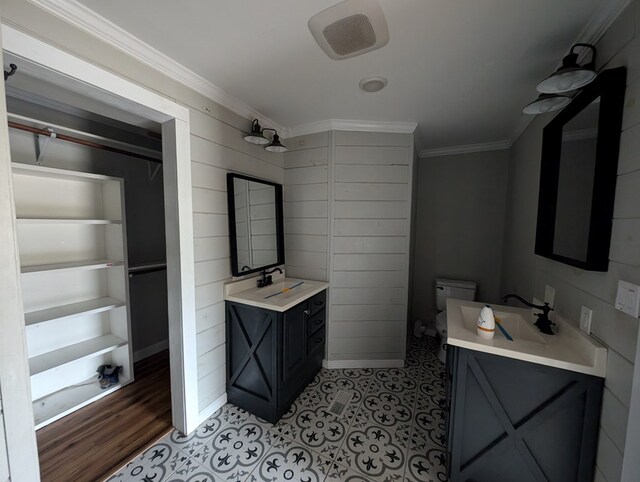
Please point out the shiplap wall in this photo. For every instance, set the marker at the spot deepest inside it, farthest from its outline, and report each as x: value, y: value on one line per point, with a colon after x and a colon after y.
x: 217, y: 147
x: 4, y: 463
x: 347, y: 219
x: 306, y: 206
x: 528, y: 274
x: 371, y: 183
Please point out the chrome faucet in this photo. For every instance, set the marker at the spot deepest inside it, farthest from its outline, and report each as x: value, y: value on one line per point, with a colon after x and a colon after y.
x: 543, y: 323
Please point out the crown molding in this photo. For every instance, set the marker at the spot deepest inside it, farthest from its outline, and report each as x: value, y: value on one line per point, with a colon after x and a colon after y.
x: 599, y: 23
x: 352, y: 125
x: 465, y: 149
x: 96, y: 25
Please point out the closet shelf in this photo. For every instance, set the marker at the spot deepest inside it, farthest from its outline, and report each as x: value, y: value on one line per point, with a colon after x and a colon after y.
x: 58, y: 404
x: 76, y: 265
x: 30, y: 220
x: 89, y: 307
x: 71, y: 353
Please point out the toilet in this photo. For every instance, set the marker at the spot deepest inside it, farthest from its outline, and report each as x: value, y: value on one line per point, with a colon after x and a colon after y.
x: 450, y: 288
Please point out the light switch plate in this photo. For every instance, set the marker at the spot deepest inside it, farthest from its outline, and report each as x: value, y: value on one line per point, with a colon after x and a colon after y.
x: 628, y: 298
x: 585, y: 319
x: 549, y: 294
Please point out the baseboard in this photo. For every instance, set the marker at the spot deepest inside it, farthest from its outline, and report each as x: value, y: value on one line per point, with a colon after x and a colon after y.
x: 147, y: 351
x: 213, y: 408
x: 334, y: 364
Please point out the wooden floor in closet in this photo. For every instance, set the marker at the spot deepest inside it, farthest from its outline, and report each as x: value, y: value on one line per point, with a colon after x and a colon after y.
x: 93, y: 442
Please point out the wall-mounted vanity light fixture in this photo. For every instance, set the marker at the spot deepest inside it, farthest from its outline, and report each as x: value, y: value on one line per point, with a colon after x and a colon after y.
x: 570, y: 77
x: 546, y: 103
x: 256, y: 136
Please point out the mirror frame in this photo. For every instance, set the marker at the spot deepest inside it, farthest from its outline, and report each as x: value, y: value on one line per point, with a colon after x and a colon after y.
x: 232, y: 223
x: 610, y: 87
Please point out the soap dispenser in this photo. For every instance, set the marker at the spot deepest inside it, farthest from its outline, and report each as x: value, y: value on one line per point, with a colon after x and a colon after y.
x: 486, y: 323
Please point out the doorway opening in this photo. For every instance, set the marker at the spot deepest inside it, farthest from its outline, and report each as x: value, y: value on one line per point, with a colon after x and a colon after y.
x: 101, y: 183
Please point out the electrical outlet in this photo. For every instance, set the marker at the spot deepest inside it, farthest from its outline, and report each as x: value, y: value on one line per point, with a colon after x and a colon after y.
x: 585, y: 319
x: 549, y: 294
x: 628, y: 298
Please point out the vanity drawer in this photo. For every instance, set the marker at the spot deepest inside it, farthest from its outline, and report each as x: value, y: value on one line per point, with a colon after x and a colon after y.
x: 316, y: 341
x: 315, y: 322
x: 317, y: 302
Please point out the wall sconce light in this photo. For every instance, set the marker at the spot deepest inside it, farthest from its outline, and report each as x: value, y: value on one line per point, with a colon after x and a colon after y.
x: 256, y: 136
x: 569, y: 77
x: 546, y: 103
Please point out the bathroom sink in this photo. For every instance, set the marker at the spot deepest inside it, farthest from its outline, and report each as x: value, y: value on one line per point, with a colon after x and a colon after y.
x: 568, y: 349
x: 515, y: 324
x: 283, y: 294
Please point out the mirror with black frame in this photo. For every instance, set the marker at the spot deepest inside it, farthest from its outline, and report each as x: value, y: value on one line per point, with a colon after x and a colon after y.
x: 255, y: 224
x: 578, y: 175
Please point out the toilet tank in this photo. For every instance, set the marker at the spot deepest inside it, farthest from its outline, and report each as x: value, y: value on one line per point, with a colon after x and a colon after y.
x: 452, y: 288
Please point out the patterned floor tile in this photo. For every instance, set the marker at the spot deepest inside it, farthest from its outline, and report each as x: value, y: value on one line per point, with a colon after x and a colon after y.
x: 319, y: 430
x: 393, y: 430
x: 426, y: 466
x: 235, y: 451
x: 375, y: 452
x: 339, y: 473
x: 156, y: 463
x: 388, y: 408
x: 288, y: 460
x: 193, y: 472
x: 329, y: 388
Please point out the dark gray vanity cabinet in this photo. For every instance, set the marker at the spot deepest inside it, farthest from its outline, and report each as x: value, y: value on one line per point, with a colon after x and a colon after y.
x: 509, y: 420
x: 272, y: 356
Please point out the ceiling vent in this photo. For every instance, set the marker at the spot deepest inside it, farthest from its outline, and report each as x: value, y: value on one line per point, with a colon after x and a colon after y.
x: 350, y: 28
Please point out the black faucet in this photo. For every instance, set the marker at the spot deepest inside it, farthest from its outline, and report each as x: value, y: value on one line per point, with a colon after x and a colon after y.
x: 543, y: 323
x: 265, y: 277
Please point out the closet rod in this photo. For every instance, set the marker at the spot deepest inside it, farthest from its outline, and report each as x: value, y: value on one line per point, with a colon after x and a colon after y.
x: 76, y: 140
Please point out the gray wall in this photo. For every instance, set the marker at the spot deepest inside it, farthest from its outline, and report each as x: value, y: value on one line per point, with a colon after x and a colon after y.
x: 528, y: 274
x: 459, y: 225
x: 217, y: 147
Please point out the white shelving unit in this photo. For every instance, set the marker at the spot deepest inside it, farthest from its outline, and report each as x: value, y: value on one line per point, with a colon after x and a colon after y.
x: 72, y: 243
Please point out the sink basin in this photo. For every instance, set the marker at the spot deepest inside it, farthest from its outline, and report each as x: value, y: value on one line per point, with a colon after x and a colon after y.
x: 283, y: 294
x: 515, y: 324
x: 569, y: 349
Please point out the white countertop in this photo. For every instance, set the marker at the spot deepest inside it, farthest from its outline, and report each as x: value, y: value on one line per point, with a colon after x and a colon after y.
x: 272, y: 297
x: 568, y: 349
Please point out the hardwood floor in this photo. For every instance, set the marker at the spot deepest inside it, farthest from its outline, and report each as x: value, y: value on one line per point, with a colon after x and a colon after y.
x: 90, y: 444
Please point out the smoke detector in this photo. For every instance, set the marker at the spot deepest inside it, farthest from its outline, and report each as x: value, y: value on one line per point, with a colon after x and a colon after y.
x: 373, y: 84
x: 350, y: 28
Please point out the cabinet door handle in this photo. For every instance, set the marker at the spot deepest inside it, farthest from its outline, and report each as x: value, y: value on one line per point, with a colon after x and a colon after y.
x: 307, y: 312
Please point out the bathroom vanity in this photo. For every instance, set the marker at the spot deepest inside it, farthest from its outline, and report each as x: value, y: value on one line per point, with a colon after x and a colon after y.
x: 526, y: 409
x: 275, y: 342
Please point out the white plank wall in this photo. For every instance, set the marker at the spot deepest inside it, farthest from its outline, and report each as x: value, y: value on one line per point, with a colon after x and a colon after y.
x: 217, y: 148
x: 371, y: 205
x: 4, y: 463
x: 574, y: 288
x: 306, y: 206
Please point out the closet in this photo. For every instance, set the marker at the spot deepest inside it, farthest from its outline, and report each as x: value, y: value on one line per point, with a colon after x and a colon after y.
x: 89, y: 210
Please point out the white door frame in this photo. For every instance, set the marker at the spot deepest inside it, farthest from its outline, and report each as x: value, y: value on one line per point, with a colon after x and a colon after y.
x: 100, y: 84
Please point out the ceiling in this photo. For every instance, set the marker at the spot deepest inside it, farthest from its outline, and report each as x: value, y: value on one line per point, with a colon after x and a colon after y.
x: 461, y: 69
